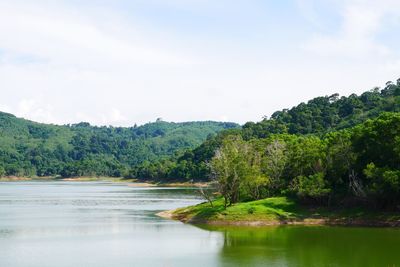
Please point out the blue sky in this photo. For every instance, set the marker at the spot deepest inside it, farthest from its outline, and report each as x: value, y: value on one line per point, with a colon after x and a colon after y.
x: 123, y: 62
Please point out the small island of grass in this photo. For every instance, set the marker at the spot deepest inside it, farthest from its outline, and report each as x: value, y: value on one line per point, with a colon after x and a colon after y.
x: 279, y: 211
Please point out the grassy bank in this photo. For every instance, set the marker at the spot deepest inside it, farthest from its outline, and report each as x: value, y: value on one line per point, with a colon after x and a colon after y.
x: 279, y: 210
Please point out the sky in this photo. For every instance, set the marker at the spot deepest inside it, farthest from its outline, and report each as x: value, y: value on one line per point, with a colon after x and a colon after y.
x: 121, y: 62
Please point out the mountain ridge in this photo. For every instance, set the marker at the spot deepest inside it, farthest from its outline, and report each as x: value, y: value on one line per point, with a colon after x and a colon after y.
x: 29, y: 148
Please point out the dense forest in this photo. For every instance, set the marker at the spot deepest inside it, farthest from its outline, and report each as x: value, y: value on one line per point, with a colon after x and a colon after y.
x: 34, y: 149
x: 329, y: 151
x: 317, y: 117
x: 360, y: 164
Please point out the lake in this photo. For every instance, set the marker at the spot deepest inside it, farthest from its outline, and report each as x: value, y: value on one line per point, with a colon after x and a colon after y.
x: 47, y: 224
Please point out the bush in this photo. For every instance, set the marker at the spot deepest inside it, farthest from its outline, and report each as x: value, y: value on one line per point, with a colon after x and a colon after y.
x: 312, y: 187
x: 384, y: 184
x: 251, y: 210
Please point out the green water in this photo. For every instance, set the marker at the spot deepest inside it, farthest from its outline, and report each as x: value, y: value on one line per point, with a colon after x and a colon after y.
x: 310, y: 246
x: 104, y: 224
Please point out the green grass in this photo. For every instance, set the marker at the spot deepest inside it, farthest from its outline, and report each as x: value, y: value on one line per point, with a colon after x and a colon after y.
x: 277, y: 208
x: 281, y: 210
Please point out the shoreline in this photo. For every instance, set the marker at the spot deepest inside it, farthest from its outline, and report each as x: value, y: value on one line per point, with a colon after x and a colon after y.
x: 133, y: 182
x: 203, y: 214
x: 70, y: 179
x: 306, y: 222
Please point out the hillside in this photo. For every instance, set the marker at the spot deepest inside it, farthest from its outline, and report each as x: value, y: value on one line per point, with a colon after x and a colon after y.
x: 34, y: 149
x: 318, y: 116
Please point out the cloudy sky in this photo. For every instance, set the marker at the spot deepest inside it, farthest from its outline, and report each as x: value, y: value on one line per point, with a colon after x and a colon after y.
x: 120, y: 62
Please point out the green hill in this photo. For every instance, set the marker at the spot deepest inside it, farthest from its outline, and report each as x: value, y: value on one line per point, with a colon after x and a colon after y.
x: 331, y: 152
x: 318, y: 116
x: 34, y: 149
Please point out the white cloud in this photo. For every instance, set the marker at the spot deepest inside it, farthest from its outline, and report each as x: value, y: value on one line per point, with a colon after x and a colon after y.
x: 362, y: 21
x: 5, y: 108
x: 26, y: 106
x: 35, y: 110
x: 111, y: 116
x: 391, y: 66
x: 117, y: 116
x: 55, y: 36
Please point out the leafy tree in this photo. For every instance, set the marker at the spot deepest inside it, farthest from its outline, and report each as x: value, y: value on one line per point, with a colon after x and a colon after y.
x: 310, y: 187
x: 274, y: 164
x: 236, y: 167
x: 2, y: 171
x: 384, y: 184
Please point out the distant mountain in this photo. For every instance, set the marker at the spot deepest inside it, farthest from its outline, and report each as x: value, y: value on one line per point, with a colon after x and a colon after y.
x: 28, y: 148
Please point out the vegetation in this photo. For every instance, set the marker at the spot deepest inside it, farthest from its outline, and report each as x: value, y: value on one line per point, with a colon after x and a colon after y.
x: 359, y: 164
x: 33, y: 149
x: 280, y: 210
x: 339, y: 166
x: 318, y: 117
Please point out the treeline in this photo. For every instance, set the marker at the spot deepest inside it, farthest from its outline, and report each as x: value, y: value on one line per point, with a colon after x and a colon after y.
x: 357, y: 164
x: 33, y: 149
x: 318, y: 116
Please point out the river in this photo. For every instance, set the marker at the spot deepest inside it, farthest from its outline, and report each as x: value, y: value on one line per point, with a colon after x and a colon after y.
x: 96, y: 224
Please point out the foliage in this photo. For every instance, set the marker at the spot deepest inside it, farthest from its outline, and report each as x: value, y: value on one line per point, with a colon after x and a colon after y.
x: 237, y: 168
x: 33, y: 149
x: 384, y: 183
x: 358, y: 164
x: 313, y: 186
x: 282, y: 210
x: 319, y: 116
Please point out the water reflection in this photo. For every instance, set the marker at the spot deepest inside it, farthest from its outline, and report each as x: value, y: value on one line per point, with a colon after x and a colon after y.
x: 309, y: 246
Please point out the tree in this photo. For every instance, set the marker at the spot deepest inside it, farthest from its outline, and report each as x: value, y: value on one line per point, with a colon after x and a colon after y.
x: 385, y: 184
x: 274, y: 163
x: 307, y: 156
x: 2, y: 171
x: 236, y: 167
x: 208, y: 193
x: 226, y: 169
x: 312, y: 187
x: 340, y: 164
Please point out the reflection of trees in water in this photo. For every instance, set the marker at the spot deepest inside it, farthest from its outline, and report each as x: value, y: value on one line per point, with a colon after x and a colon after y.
x: 309, y: 246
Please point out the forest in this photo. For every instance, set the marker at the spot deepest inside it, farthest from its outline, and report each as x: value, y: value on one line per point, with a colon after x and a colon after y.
x: 359, y: 164
x: 317, y: 153
x: 317, y: 118
x: 34, y: 149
